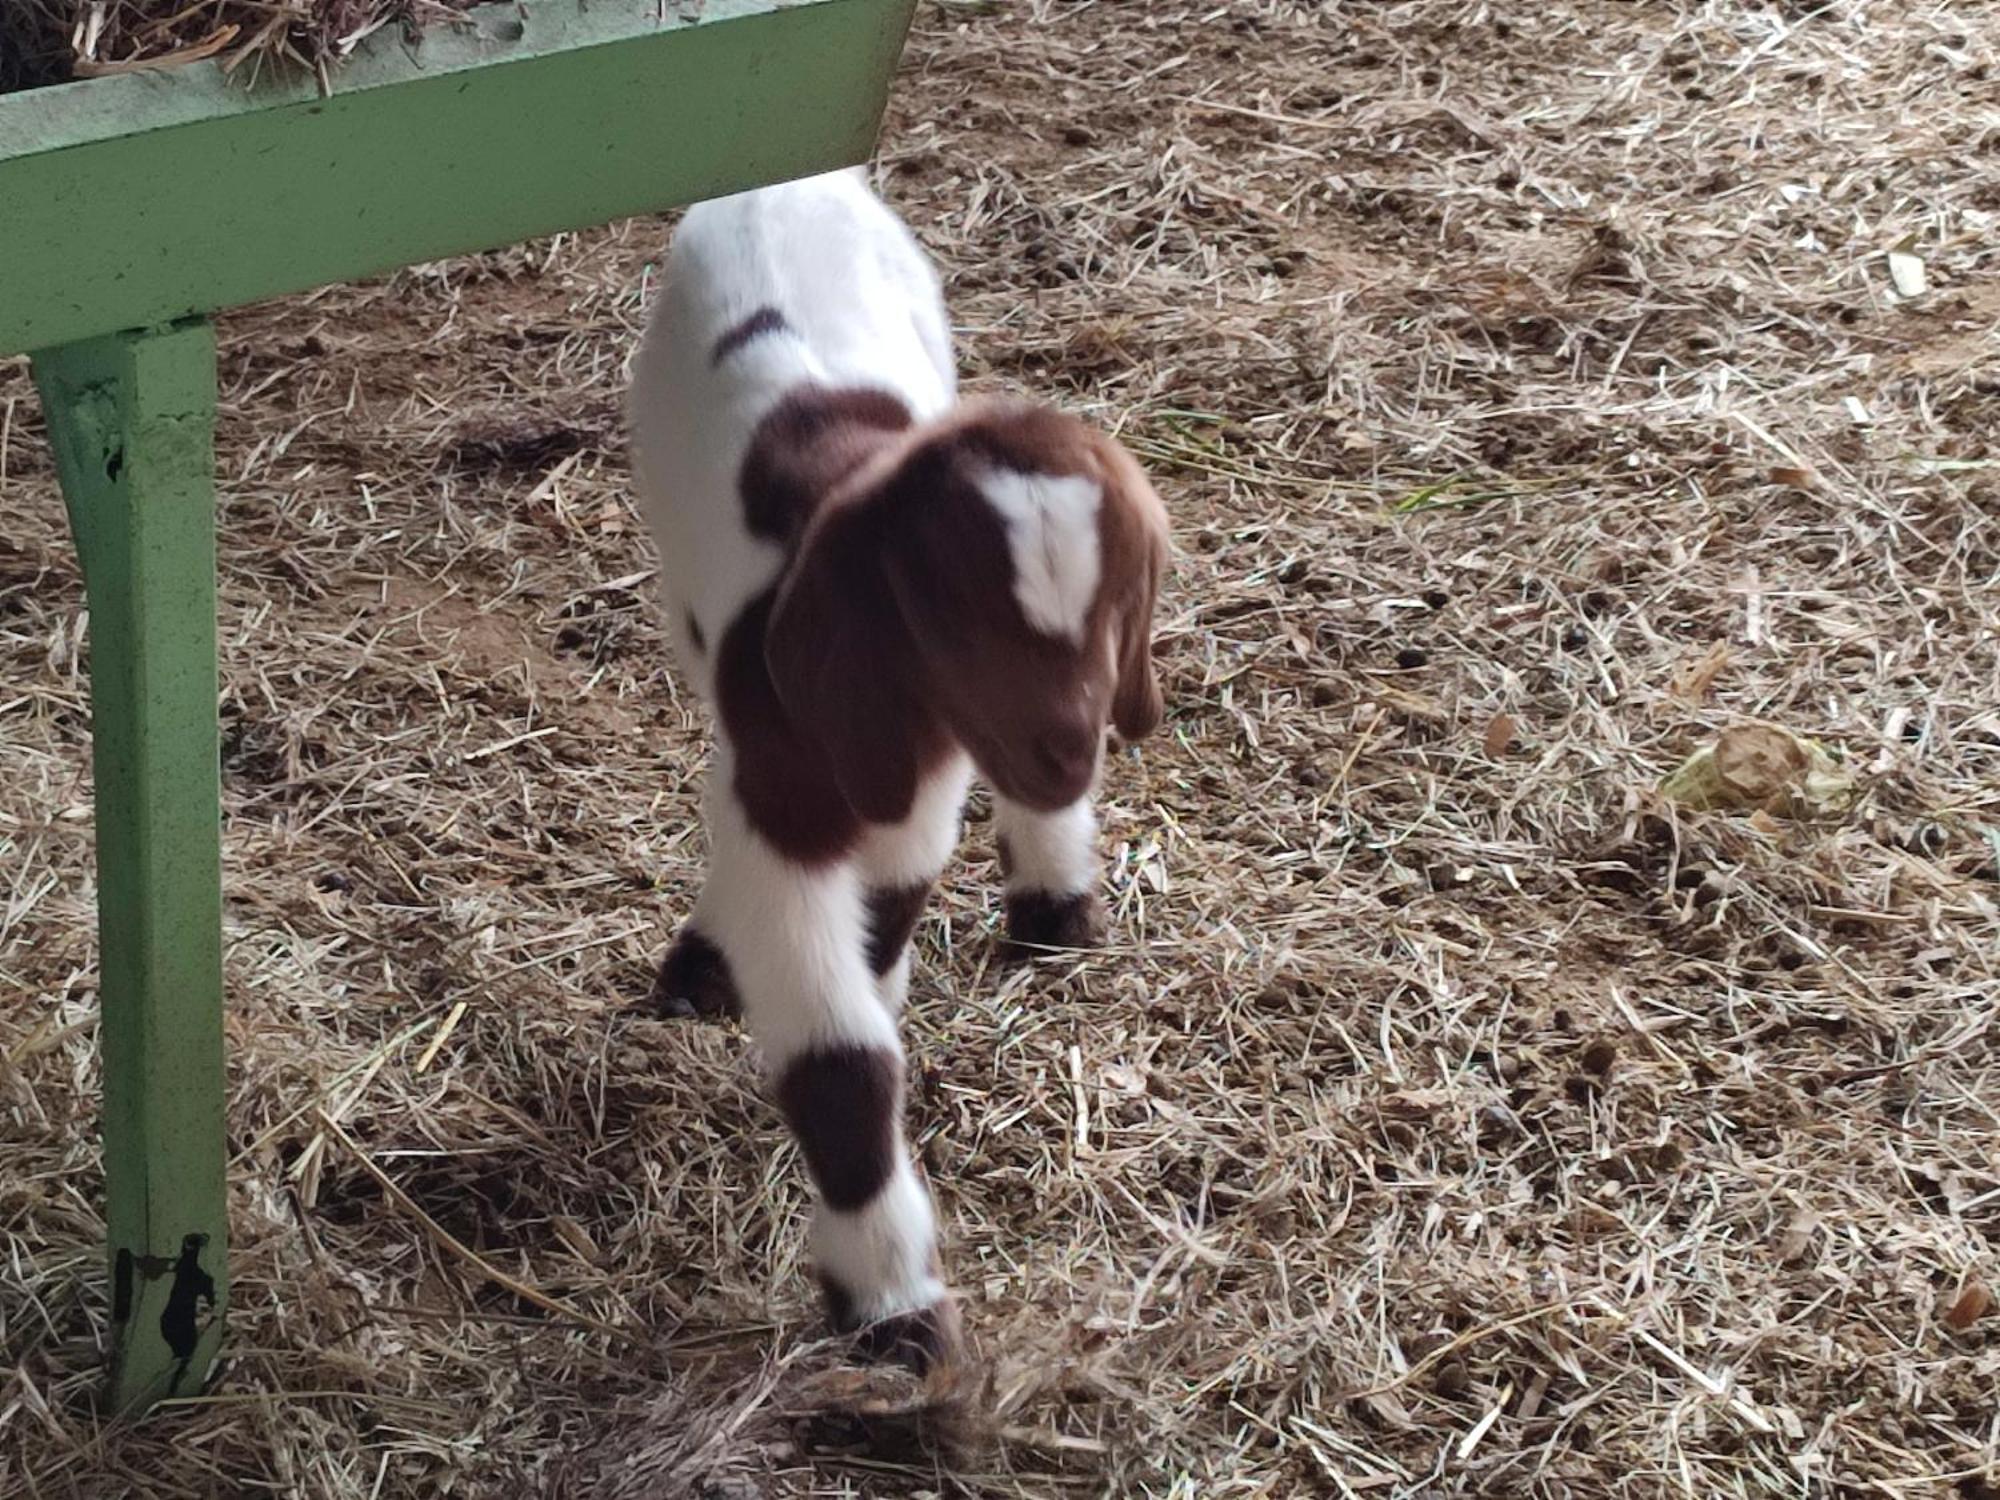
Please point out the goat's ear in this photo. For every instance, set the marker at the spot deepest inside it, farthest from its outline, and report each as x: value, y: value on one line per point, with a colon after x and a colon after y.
x: 1140, y: 533
x: 839, y: 661
x: 1137, y: 704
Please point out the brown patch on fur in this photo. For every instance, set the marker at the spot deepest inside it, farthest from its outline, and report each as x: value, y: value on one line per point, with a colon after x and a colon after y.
x: 1134, y: 536
x: 805, y: 446
x: 842, y: 1104
x: 694, y: 980
x: 1039, y: 919
x: 840, y: 664
x: 764, y: 320
x: 892, y: 917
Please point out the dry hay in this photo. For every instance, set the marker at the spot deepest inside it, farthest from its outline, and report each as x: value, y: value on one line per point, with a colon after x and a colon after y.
x: 53, y: 41
x: 1533, y: 402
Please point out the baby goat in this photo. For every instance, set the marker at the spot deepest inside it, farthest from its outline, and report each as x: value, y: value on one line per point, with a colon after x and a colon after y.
x: 879, y: 590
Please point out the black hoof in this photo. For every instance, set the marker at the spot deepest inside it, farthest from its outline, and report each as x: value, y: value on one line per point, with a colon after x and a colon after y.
x: 694, y: 982
x: 1037, y: 920
x: 926, y: 1339
x: 922, y: 1341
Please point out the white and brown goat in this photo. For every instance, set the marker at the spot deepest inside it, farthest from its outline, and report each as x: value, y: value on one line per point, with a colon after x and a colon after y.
x: 880, y: 591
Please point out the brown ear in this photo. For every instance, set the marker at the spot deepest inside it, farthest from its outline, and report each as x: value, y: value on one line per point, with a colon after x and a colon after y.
x: 1139, y: 535
x: 1137, y: 704
x: 839, y: 662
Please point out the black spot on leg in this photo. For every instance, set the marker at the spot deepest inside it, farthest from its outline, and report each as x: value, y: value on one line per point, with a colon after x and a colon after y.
x: 695, y: 635
x: 694, y: 980
x: 841, y: 1103
x: 921, y: 1341
x: 839, y: 1304
x: 892, y: 917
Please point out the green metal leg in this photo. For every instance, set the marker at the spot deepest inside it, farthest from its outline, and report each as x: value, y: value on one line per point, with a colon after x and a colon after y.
x: 132, y: 420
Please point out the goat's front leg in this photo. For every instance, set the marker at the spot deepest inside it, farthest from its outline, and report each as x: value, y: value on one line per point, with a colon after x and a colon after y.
x: 899, y: 865
x: 1049, y: 864
x: 796, y: 941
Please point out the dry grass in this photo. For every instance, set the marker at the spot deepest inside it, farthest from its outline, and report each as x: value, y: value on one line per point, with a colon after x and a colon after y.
x: 53, y: 41
x: 1454, y: 1119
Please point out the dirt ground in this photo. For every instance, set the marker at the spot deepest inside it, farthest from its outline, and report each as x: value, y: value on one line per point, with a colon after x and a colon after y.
x: 1535, y: 398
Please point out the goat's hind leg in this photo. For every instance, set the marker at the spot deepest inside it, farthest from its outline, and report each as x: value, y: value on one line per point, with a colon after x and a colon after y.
x: 1049, y: 864
x: 899, y: 865
x: 694, y: 979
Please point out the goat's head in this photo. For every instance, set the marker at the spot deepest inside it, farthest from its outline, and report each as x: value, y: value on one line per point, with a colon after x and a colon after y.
x: 993, y: 575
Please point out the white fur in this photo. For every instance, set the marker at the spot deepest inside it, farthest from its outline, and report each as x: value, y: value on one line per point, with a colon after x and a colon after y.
x: 913, y: 851
x: 1051, y: 524
x: 894, y: 986
x: 796, y: 939
x: 884, y: 1251
x: 1052, y: 853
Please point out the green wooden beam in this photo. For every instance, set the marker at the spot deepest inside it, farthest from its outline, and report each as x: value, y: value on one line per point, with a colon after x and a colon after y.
x: 131, y: 418
x: 134, y: 201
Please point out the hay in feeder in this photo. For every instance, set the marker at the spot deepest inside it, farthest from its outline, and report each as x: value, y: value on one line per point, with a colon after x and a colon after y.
x: 55, y: 41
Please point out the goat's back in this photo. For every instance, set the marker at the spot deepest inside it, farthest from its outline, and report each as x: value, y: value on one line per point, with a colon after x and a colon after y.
x: 814, y: 281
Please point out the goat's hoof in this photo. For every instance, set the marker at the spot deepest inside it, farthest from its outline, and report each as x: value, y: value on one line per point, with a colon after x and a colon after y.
x: 925, y: 1340
x: 1039, y: 920
x: 694, y: 981
x: 922, y: 1339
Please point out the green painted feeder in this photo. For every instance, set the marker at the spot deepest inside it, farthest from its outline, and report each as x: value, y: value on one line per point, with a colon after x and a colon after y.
x: 133, y: 207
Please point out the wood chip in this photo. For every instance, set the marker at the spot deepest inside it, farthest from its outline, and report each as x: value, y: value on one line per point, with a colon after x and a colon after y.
x: 1798, y: 1237
x: 1971, y: 1304
x: 1907, y: 273
x: 1696, y: 680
